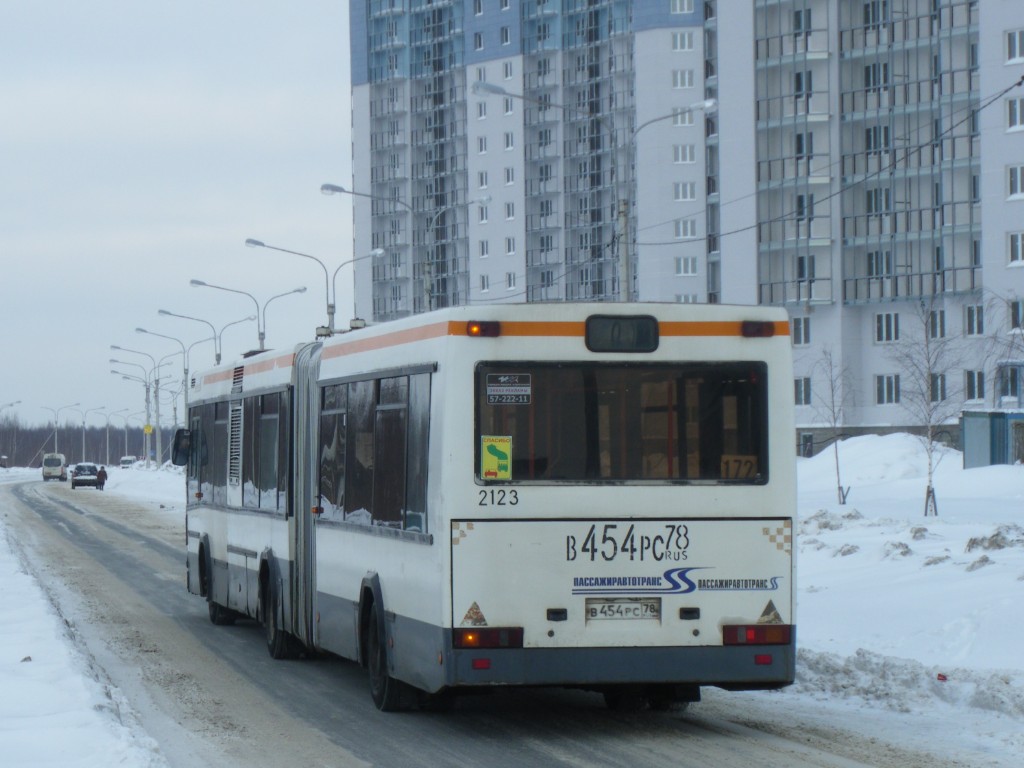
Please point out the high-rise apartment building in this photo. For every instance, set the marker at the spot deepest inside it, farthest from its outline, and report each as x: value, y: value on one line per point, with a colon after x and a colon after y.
x: 830, y: 156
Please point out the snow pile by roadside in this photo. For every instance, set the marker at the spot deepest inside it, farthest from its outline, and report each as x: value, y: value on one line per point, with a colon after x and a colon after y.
x: 903, y: 611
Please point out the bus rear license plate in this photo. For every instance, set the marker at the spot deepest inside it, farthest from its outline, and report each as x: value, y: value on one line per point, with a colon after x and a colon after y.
x: 623, y: 608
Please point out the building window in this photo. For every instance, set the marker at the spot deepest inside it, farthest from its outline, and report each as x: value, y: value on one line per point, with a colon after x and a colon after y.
x: 875, y: 12
x: 485, y: 283
x: 803, y: 390
x: 682, y: 41
x: 686, y: 298
x: 684, y: 153
x: 482, y: 218
x: 1009, y: 381
x: 1015, y: 45
x: 510, y: 176
x: 879, y: 263
x: 801, y: 24
x: 682, y: 78
x: 481, y: 110
x: 485, y: 249
x: 682, y: 116
x: 878, y: 201
x: 506, y: 35
x: 1015, y: 174
x: 887, y: 327
x: 937, y: 388
x: 547, y: 278
x: 974, y: 320
x: 937, y: 324
x: 481, y: 144
x: 685, y: 228
x: 887, y: 389
x: 686, y: 265
x: 507, y: 70
x: 876, y: 77
x: 510, y: 211
x: 974, y: 385
x: 510, y: 246
x: 478, y: 41
x: 510, y: 280
x: 685, y: 190
x: 804, y: 208
x: 1017, y: 315
x: 481, y: 179
x: 801, y: 331
x: 876, y: 139
x: 803, y: 145
x: 1016, y: 248
x: 802, y: 85
x: 1015, y: 114
x: 680, y: 6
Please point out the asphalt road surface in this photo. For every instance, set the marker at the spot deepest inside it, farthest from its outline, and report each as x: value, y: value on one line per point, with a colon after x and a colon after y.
x: 212, y: 695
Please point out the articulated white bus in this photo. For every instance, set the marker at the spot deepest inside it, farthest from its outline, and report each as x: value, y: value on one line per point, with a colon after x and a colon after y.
x: 595, y: 496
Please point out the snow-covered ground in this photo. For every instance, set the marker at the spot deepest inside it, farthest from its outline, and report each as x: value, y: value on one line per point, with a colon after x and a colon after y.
x: 910, y: 624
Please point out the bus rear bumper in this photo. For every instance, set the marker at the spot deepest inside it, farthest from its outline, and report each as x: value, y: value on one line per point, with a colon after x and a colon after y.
x: 733, y: 668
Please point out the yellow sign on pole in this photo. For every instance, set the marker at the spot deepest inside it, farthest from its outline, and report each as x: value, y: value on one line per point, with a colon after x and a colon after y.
x: 495, y: 457
x: 148, y: 429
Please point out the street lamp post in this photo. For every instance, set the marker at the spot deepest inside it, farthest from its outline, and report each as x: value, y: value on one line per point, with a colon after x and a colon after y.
x: 624, y: 200
x: 428, y: 271
x: 156, y: 390
x: 261, y: 314
x: 109, y: 414
x: 184, y: 359
x: 216, y: 340
x: 84, y: 414
x: 327, y: 330
x: 55, y: 412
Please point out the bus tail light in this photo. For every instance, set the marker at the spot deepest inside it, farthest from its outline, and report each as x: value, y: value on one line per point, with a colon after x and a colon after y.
x: 489, y: 328
x: 757, y: 634
x: 488, y: 637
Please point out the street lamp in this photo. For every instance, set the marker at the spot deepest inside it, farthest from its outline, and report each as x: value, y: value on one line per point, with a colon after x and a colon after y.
x: 327, y: 330
x: 261, y: 325
x: 156, y: 396
x: 624, y: 201
x: 109, y: 414
x: 184, y: 358
x: 216, y: 340
x: 334, y: 189
x: 55, y: 412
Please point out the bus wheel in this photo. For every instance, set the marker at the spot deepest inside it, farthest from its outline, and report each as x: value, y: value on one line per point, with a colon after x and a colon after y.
x: 625, y: 699
x: 278, y: 643
x: 220, y: 615
x: 387, y: 693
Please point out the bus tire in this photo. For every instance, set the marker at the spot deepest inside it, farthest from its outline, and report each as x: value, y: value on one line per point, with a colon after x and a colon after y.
x: 279, y: 644
x: 625, y: 698
x: 220, y: 615
x: 388, y: 694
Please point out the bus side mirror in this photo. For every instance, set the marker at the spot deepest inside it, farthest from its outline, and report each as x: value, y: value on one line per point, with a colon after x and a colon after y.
x: 181, y: 447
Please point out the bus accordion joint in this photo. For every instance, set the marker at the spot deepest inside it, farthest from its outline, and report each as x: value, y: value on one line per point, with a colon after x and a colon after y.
x: 757, y: 329
x: 488, y: 637
x: 757, y: 634
x: 482, y: 329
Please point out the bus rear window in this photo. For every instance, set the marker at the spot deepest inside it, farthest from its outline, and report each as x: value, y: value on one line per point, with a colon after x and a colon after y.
x: 584, y: 422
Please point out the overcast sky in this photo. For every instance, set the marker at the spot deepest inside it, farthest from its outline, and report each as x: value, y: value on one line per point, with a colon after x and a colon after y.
x: 141, y: 143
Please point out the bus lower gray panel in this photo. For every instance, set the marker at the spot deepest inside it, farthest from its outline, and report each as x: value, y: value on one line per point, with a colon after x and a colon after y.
x: 336, y: 632
x: 725, y: 666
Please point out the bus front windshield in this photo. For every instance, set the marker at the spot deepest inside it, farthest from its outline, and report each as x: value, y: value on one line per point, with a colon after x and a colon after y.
x: 618, y: 422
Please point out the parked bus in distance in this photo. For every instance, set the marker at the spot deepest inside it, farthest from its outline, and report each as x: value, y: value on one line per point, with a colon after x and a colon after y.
x: 595, y: 496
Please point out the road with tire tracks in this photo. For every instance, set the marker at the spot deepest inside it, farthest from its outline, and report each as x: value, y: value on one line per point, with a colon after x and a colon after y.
x: 115, y: 569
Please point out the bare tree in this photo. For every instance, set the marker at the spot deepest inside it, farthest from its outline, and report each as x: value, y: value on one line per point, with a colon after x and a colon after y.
x: 829, y: 401
x: 926, y: 354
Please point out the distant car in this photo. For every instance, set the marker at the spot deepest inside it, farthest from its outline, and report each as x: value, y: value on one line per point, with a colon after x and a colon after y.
x: 84, y: 474
x: 127, y: 462
x: 54, y: 467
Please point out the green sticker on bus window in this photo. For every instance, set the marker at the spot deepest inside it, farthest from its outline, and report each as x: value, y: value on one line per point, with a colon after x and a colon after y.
x: 495, y: 457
